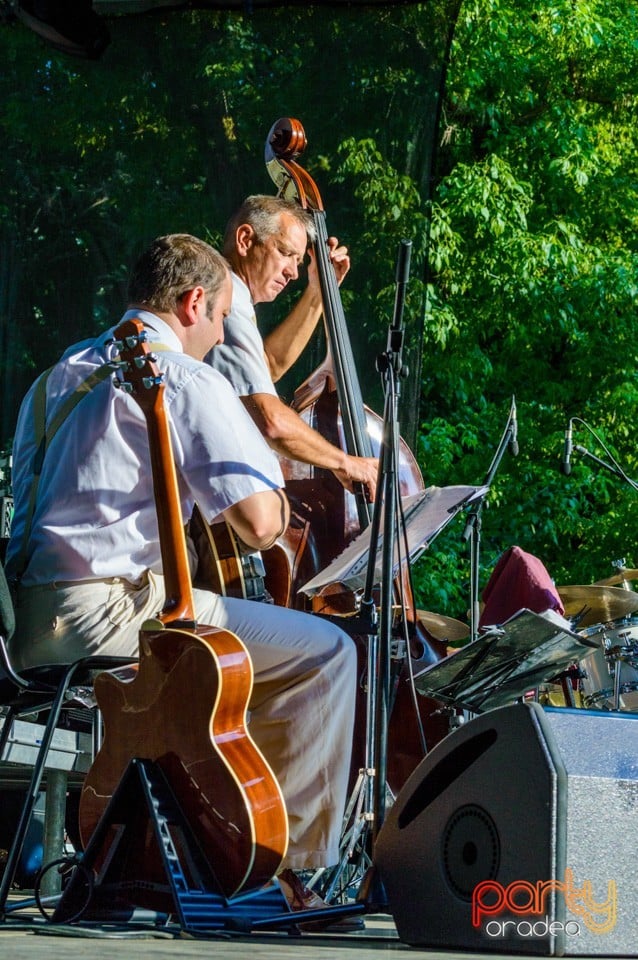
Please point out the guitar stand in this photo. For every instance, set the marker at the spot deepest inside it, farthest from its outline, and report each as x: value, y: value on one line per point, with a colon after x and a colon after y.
x: 191, y: 892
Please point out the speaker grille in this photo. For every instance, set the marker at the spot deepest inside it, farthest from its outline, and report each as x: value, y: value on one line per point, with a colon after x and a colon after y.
x: 470, y: 849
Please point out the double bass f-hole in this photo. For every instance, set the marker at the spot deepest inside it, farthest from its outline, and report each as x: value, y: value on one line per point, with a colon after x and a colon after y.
x: 285, y: 143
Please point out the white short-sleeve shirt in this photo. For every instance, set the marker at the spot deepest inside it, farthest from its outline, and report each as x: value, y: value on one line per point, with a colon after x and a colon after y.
x: 240, y: 358
x: 95, y: 513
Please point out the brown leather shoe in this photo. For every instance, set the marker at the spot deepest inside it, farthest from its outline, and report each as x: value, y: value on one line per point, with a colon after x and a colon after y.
x: 301, y: 897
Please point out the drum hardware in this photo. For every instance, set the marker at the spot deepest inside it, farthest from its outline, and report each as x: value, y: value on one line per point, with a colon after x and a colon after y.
x: 623, y: 577
x: 569, y: 683
x: 611, y: 673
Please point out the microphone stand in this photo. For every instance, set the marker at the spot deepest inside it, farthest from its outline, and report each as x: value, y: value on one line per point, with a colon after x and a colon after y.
x: 368, y: 802
x: 472, y: 531
x: 608, y: 466
x: 390, y: 366
x: 613, y: 467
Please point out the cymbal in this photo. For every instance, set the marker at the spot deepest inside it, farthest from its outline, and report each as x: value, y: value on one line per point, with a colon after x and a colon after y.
x: 619, y: 577
x: 601, y: 603
x: 443, y: 628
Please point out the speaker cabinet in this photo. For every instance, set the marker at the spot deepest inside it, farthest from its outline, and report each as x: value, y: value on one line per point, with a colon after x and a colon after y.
x: 518, y: 833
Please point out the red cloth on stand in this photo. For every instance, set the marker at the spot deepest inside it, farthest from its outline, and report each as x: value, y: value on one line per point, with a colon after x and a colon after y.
x: 519, y: 581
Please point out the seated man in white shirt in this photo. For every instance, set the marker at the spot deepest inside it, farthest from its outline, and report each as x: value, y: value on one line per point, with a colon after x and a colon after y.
x: 88, y: 563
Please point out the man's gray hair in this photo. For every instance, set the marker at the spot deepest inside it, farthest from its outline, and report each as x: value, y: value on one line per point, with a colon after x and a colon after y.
x: 262, y: 213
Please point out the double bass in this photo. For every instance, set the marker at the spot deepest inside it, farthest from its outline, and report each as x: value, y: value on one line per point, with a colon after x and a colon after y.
x: 325, y: 517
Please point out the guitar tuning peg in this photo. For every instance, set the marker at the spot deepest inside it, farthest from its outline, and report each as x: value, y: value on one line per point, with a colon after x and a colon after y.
x: 122, y: 385
x: 152, y: 381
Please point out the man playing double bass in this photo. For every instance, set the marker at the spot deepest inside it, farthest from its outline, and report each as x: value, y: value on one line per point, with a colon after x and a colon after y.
x: 265, y: 242
x: 88, y: 560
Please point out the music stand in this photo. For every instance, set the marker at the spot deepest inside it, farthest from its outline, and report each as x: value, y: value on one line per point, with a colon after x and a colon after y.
x: 502, y: 666
x: 426, y: 515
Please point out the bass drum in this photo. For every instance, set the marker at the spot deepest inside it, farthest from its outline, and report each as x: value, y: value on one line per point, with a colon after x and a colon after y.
x: 618, y: 652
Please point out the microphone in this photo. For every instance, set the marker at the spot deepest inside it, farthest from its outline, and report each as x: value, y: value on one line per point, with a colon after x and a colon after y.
x: 513, y: 444
x: 566, y: 466
x: 401, y: 281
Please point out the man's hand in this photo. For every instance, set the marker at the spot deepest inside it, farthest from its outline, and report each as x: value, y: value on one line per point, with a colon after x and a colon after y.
x: 338, y: 257
x: 361, y: 470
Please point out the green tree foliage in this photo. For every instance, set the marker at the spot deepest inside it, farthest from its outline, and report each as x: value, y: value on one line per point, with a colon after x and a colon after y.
x: 524, y: 243
x: 167, y: 133
x: 535, y: 281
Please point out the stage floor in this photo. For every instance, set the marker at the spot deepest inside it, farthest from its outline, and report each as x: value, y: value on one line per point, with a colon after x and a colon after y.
x: 25, y: 935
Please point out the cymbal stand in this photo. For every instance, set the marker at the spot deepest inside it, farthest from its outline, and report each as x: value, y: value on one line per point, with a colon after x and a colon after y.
x: 366, y: 809
x: 472, y: 531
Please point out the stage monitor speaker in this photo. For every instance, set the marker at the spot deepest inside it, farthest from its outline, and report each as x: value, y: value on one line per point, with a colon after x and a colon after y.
x: 519, y: 834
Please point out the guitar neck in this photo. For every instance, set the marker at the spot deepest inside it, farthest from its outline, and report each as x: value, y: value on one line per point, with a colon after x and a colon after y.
x: 144, y: 382
x: 179, y: 605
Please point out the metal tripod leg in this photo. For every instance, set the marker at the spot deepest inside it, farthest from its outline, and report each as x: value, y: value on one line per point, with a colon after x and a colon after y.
x: 355, y: 844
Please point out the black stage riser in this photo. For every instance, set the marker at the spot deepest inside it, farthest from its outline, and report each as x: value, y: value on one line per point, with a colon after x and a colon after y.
x: 517, y: 797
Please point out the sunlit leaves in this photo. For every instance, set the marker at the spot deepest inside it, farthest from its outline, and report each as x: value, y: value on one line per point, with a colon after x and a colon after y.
x: 535, y: 225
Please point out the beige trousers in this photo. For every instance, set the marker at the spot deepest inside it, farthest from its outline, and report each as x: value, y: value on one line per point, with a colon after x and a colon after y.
x: 302, y: 705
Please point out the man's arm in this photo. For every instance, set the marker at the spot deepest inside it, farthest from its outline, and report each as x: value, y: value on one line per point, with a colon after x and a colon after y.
x: 260, y: 518
x: 284, y: 345
x: 291, y: 437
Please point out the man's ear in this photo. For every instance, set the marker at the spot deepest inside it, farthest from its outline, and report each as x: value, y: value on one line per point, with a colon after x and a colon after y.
x: 189, y: 304
x: 244, y: 239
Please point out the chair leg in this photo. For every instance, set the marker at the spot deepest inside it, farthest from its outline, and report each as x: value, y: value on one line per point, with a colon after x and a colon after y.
x: 33, y: 790
x: 5, y: 733
x: 54, y: 818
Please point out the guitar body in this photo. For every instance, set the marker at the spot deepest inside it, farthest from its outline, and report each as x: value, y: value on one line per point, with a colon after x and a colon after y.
x: 219, y: 562
x: 219, y: 565
x: 186, y: 711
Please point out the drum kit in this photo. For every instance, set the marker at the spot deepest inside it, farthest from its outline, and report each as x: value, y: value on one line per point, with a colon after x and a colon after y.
x: 588, y: 659
x: 607, y: 612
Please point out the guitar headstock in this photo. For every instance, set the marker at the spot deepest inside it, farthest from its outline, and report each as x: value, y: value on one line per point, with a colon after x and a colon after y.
x: 137, y: 370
